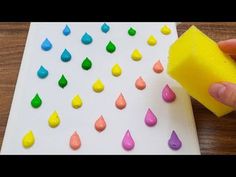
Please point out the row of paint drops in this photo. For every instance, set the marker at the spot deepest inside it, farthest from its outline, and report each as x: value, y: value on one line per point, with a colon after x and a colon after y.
x: 150, y: 118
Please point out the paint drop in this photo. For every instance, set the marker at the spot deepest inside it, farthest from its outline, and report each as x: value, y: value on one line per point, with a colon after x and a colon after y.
x: 76, y: 102
x: 157, y: 67
x: 152, y: 40
x: 100, y: 124
x: 116, y: 70
x: 110, y: 47
x: 28, y: 140
x: 98, y: 86
x: 36, y: 101
x: 140, y: 83
x: 42, y: 72
x: 165, y: 30
x: 66, y: 30
x: 65, y: 56
x: 75, y: 142
x: 86, y: 39
x: 54, y: 120
x: 62, y: 81
x: 150, y: 118
x: 136, y: 55
x: 174, y: 141
x: 86, y: 64
x: 128, y: 142
x: 131, y: 31
x: 120, y: 102
x: 105, y: 28
x: 167, y: 94
x: 46, y: 45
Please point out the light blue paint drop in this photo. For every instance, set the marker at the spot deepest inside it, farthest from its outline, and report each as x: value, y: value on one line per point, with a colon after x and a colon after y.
x: 65, y: 56
x: 42, y: 72
x: 66, y: 30
x: 86, y: 39
x: 105, y: 28
x: 46, y: 45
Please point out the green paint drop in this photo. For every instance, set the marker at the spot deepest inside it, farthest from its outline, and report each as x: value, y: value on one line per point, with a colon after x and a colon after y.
x: 87, y: 64
x: 36, y: 101
x: 110, y: 47
x: 62, y: 82
x: 131, y: 31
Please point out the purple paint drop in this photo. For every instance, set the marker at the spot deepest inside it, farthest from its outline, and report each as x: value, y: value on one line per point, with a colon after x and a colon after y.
x: 174, y: 141
x: 128, y: 142
x: 167, y: 94
x: 150, y: 118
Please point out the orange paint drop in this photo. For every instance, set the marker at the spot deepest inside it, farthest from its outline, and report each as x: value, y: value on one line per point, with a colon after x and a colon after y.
x: 158, y: 68
x: 140, y: 83
x: 100, y: 124
x: 120, y: 102
x: 75, y: 142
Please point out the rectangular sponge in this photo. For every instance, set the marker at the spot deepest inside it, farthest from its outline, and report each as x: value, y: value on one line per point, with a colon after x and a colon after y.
x: 195, y: 61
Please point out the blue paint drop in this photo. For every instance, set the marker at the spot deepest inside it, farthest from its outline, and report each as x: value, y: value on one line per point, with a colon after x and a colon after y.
x: 86, y: 39
x: 46, y: 45
x: 42, y: 72
x: 105, y: 28
x: 65, y: 56
x: 66, y: 30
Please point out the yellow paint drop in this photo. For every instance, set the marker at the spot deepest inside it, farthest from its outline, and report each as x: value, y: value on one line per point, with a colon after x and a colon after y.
x: 165, y: 30
x: 152, y: 40
x: 116, y: 70
x: 136, y: 55
x: 76, y: 102
x: 28, y: 140
x: 54, y: 120
x: 98, y: 86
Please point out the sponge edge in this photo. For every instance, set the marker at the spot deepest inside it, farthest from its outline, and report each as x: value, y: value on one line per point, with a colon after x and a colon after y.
x: 195, y: 62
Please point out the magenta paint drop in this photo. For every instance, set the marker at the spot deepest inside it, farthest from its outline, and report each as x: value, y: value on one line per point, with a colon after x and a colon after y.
x: 150, y: 118
x: 174, y: 141
x: 128, y: 142
x: 167, y: 94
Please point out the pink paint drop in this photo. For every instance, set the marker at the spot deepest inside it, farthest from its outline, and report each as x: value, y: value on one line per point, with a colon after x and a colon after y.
x: 100, y: 124
x: 120, y: 102
x: 168, y: 94
x: 75, y: 142
x: 140, y: 83
x: 128, y: 142
x: 150, y: 118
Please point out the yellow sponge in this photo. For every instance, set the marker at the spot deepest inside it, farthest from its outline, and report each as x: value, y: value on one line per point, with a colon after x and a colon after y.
x: 195, y: 61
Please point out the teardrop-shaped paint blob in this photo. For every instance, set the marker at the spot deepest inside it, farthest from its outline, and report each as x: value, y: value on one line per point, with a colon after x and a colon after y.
x: 75, y: 142
x: 100, y: 124
x: 105, y: 28
x: 86, y: 39
x: 76, y: 102
x: 150, y: 118
x: 42, y: 72
x: 86, y: 64
x: 152, y: 40
x: 62, y: 81
x: 65, y: 56
x: 136, y: 55
x: 128, y: 142
x: 66, y: 30
x: 165, y: 30
x: 140, y: 83
x: 46, y: 45
x: 120, y: 102
x: 98, y: 86
x: 168, y: 94
x: 116, y: 70
x: 54, y: 120
x: 157, y: 67
x: 131, y: 31
x: 36, y: 101
x: 110, y: 47
x: 28, y: 140
x: 174, y: 141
